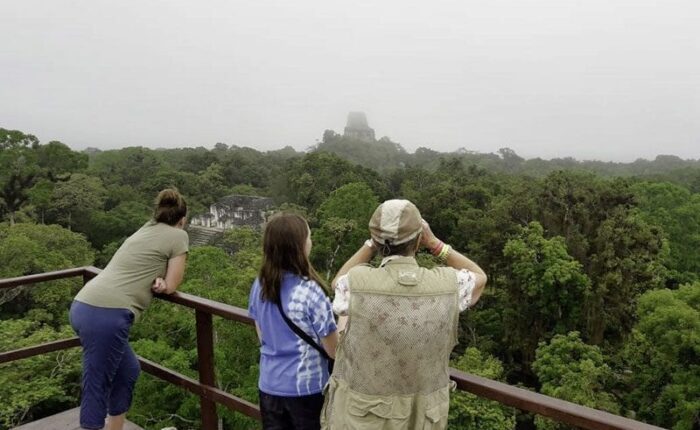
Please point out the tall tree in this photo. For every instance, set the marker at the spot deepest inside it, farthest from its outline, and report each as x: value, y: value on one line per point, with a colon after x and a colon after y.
x: 662, y: 358
x: 620, y: 252
x: 676, y: 210
x: 308, y: 181
x: 26, y: 249
x: 546, y: 291
x: 77, y: 197
x: 18, y: 168
x: 40, y: 196
x: 568, y: 369
x: 57, y: 160
x: 343, y: 219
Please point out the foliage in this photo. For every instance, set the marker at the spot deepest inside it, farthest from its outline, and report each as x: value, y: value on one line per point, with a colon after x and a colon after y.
x: 546, y: 291
x: 677, y: 211
x: 27, y: 249
x: 310, y: 180
x: 468, y: 411
x: 18, y: 169
x: 342, y: 220
x: 379, y: 155
x: 568, y: 369
x: 24, y: 161
x: 619, y: 251
x: 76, y: 198
x: 240, y: 239
x: 31, y: 387
x: 56, y: 160
x: 116, y: 224
x: 663, y: 358
x: 41, y: 197
x: 152, y: 393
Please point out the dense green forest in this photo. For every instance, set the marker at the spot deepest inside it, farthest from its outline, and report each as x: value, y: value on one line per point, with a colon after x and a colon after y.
x: 594, y: 269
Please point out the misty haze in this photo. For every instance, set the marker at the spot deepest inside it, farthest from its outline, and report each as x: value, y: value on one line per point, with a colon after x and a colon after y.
x: 591, y: 80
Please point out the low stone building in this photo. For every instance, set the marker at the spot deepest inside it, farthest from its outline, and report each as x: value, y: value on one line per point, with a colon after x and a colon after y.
x: 229, y: 212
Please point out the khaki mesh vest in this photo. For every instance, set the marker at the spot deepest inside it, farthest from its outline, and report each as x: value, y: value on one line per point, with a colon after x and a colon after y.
x: 391, y: 369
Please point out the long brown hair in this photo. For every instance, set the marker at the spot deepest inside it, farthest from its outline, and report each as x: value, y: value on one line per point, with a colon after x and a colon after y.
x: 283, y: 251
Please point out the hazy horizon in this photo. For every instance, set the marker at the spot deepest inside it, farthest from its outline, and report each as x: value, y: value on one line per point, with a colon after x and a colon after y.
x: 594, y: 80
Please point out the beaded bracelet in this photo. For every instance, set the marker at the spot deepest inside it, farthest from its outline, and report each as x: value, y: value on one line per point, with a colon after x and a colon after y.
x: 436, y: 250
x: 444, y: 252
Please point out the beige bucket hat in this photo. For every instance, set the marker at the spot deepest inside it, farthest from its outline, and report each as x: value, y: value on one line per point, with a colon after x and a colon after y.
x: 395, y: 222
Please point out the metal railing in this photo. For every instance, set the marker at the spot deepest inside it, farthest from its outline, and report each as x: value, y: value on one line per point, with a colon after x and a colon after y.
x: 210, y: 395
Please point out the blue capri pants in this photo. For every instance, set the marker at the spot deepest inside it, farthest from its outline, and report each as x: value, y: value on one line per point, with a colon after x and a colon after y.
x: 110, y: 367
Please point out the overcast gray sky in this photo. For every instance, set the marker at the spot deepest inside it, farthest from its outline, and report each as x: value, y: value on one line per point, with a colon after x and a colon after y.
x: 593, y: 79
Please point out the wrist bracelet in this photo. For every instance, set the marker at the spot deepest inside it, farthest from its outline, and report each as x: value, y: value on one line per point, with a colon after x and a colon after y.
x: 369, y: 244
x: 436, y: 250
x: 444, y: 252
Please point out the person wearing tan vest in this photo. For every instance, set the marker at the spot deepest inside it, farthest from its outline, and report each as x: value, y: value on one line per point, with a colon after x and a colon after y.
x: 399, y: 324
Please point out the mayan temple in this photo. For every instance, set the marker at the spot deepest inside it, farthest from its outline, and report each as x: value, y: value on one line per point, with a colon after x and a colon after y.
x: 357, y: 127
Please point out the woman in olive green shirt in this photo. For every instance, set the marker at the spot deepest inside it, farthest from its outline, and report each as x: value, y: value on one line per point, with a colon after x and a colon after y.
x: 151, y: 260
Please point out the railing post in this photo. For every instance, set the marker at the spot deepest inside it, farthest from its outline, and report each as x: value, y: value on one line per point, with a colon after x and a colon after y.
x: 205, y: 364
x: 87, y: 275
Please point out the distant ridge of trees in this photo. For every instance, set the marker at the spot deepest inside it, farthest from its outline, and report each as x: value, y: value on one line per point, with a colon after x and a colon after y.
x: 385, y: 155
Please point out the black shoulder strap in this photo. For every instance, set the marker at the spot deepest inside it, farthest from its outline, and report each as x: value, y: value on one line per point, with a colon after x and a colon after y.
x: 302, y: 334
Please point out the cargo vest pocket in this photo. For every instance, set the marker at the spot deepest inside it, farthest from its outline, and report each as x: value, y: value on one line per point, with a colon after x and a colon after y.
x: 436, y: 417
x: 437, y: 409
x: 373, y: 412
x: 326, y: 409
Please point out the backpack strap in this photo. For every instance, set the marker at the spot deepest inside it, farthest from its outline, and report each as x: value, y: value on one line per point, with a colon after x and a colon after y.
x: 302, y: 334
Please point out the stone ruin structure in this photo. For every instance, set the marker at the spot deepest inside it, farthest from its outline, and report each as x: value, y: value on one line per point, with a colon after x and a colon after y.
x: 229, y: 212
x: 357, y: 127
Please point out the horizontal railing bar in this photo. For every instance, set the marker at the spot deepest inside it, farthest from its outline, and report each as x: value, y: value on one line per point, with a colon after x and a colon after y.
x: 41, y: 277
x: 90, y: 272
x: 211, y: 393
x: 30, y: 351
x: 223, y: 310
x: 559, y: 410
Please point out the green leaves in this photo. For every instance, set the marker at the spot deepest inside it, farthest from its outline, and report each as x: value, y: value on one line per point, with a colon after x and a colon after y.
x: 546, y: 290
x: 568, y: 369
x: 663, y: 358
x: 310, y: 180
x: 677, y: 212
x: 468, y: 411
x: 42, y: 383
x: 342, y: 219
x: 18, y: 169
x: 77, y: 197
x: 23, y: 161
x: 160, y: 404
x: 28, y: 249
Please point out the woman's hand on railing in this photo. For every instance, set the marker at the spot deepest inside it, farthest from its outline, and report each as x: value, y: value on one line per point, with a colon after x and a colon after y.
x: 160, y: 286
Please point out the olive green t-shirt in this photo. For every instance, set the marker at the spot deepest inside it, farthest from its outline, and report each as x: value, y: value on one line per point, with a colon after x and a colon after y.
x: 126, y: 281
